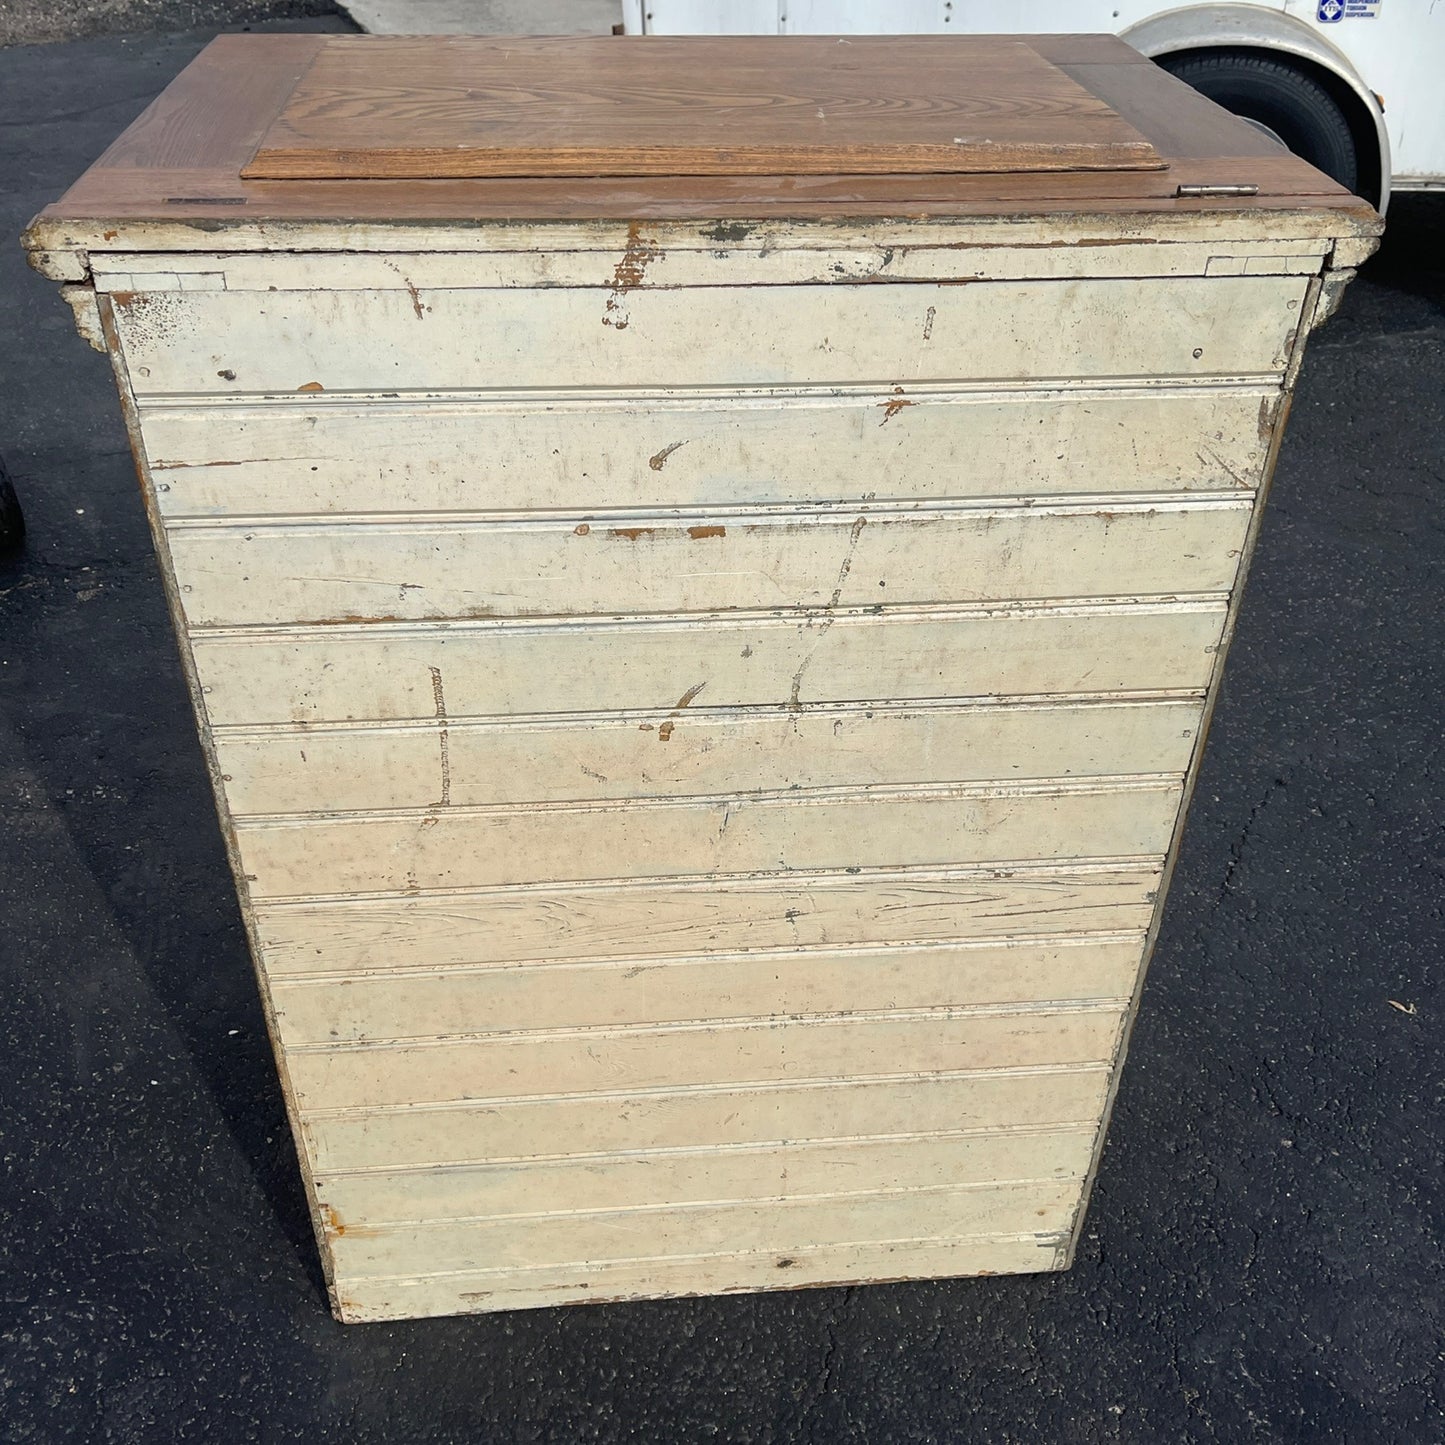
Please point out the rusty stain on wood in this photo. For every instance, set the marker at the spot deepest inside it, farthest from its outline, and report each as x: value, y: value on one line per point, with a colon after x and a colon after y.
x: 581, y: 529
x: 638, y: 254
x: 659, y: 459
x: 311, y: 386
x: 664, y: 733
x: 892, y: 407
x: 630, y: 534
x: 699, y: 533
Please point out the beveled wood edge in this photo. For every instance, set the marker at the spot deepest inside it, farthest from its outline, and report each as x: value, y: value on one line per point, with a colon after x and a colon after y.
x: 60, y: 249
x: 116, y: 205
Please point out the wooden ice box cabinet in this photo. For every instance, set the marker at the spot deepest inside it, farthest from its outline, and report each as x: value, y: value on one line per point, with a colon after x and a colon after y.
x: 703, y: 566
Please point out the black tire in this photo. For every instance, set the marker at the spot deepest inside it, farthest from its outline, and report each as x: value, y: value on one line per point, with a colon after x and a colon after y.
x: 1287, y: 99
x: 12, y: 520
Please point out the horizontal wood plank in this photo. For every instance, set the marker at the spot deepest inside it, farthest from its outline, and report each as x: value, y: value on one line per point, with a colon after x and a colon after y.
x: 711, y: 452
x: 369, y: 1076
x: 372, y: 1006
x: 392, y: 672
x: 303, y: 342
x: 348, y: 767
x: 702, y: 1119
x: 371, y: 1299
x: 719, y: 1229
x: 411, y: 571
x: 795, y: 1171
x: 448, y: 848
x: 639, y: 921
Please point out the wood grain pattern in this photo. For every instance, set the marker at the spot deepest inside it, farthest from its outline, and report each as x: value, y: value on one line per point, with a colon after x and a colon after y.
x: 637, y: 921
x: 181, y: 162
x: 721, y: 1118
x: 376, y: 1006
x: 293, y: 769
x: 374, y: 108
x: 681, y: 1177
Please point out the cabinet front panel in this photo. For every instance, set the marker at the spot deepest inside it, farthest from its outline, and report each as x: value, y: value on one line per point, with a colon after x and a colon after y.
x: 701, y: 756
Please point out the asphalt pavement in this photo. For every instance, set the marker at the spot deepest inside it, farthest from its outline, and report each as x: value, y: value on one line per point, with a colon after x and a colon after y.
x: 1263, y: 1256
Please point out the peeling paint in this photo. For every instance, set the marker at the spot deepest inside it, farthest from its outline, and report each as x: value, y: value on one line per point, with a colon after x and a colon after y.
x: 893, y: 407
x: 659, y: 459
x: 439, y: 699
x: 664, y: 733
x: 640, y: 253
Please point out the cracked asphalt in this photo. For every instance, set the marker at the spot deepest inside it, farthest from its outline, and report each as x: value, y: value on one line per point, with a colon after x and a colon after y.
x: 1263, y: 1254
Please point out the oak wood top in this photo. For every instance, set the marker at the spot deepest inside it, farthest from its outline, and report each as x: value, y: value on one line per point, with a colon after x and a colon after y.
x: 433, y: 108
x: 182, y: 162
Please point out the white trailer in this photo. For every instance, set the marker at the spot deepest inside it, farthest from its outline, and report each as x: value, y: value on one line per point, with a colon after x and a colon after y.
x: 1354, y: 86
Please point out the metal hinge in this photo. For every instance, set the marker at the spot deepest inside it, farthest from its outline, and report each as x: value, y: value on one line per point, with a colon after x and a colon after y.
x: 1217, y: 191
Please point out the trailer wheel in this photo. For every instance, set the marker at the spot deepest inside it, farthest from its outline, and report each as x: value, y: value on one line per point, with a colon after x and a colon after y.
x: 12, y: 520
x: 1280, y: 97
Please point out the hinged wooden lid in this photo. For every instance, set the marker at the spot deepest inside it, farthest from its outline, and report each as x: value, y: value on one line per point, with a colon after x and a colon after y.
x: 372, y: 108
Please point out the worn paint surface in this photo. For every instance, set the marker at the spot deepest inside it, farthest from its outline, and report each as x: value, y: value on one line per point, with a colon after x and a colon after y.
x: 702, y: 792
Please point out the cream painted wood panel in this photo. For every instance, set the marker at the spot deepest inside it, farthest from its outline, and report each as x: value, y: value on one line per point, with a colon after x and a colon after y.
x: 376, y: 1006
x: 351, y: 767
x: 777, y: 1226
x: 646, y: 264
x: 702, y: 757
x: 683, y: 1177
x: 1084, y: 238
x: 509, y: 1289
x: 683, y: 917
x: 649, y: 562
x: 367, y: 1076
x: 498, y: 669
x: 233, y: 343
x: 718, y: 1117
x: 448, y: 848
x: 600, y: 453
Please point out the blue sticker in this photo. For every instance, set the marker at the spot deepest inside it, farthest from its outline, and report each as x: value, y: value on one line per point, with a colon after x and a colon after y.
x: 1331, y: 11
